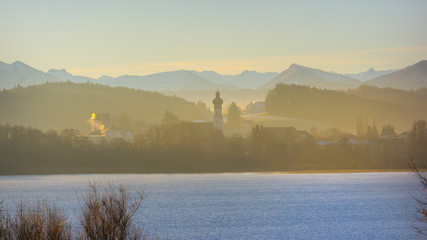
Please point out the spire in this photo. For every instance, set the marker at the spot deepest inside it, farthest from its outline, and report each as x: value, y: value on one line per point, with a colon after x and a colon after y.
x: 217, y: 119
x: 217, y: 100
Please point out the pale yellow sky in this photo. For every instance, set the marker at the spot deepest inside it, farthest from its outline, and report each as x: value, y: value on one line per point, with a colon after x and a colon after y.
x: 94, y: 38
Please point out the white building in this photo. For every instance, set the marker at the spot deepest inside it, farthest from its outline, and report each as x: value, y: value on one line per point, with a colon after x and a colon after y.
x: 255, y: 107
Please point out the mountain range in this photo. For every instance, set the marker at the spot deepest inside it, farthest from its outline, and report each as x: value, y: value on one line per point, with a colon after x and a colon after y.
x: 368, y: 75
x: 18, y: 73
x: 245, y: 80
x: 411, y: 77
x: 300, y: 75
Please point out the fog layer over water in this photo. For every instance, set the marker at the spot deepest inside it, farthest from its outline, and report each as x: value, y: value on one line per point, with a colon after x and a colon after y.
x: 249, y: 205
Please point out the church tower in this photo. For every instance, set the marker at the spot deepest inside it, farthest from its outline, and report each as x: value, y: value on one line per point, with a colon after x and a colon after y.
x: 217, y: 119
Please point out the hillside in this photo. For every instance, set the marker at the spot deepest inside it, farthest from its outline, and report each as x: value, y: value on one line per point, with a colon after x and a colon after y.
x: 412, y: 77
x: 241, y: 97
x: 301, y: 75
x: 69, y: 105
x: 410, y: 99
x: 339, y: 109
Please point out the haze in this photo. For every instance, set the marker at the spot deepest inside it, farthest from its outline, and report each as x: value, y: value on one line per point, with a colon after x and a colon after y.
x: 141, y: 37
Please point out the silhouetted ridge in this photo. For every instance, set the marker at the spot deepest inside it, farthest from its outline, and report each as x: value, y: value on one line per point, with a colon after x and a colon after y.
x: 412, y: 77
x: 70, y: 105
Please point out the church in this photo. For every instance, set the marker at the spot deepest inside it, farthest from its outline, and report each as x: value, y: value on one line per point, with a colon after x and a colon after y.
x: 217, y: 118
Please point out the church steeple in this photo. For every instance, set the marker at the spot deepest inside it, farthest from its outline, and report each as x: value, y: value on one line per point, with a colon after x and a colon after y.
x: 217, y: 119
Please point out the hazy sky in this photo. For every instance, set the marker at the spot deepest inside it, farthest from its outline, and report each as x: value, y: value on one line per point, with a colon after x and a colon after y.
x: 92, y: 38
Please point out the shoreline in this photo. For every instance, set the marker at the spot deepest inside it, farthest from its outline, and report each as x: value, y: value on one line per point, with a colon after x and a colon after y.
x: 251, y: 172
x: 338, y: 171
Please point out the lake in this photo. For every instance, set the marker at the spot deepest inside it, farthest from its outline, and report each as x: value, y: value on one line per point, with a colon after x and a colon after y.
x: 247, y: 205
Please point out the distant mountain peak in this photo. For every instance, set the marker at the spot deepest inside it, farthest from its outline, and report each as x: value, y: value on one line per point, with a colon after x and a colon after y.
x: 58, y: 70
x: 293, y: 68
x: 60, y: 73
x: 297, y: 67
x: 207, y: 71
x: 248, y: 72
x: 301, y: 75
x: 294, y: 65
x: 422, y: 63
x: 371, y: 73
x: 20, y: 64
x: 411, y: 77
x: 105, y: 77
x: 22, y: 67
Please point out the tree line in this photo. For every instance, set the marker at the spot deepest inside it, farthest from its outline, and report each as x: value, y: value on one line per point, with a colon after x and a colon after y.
x: 187, y: 147
x: 341, y: 108
x: 70, y: 105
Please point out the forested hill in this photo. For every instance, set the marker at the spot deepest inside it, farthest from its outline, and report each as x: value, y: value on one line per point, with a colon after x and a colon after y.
x: 413, y: 98
x: 343, y: 109
x: 69, y: 105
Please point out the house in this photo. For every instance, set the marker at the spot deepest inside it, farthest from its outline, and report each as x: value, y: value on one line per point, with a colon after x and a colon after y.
x: 102, y: 128
x: 100, y: 122
x: 255, y: 107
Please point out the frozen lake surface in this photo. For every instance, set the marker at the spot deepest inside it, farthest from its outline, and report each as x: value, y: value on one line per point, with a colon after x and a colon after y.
x: 248, y: 205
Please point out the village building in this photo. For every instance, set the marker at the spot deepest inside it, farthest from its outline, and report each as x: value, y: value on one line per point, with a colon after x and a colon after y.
x: 102, y: 128
x: 255, y: 107
x: 100, y: 122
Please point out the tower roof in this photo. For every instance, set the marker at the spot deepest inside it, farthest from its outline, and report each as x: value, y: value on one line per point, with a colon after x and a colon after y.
x: 217, y: 100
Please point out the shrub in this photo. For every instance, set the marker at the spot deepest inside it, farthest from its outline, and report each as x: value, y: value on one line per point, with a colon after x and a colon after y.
x: 421, y: 225
x: 5, y: 232
x: 107, y: 212
x: 35, y: 222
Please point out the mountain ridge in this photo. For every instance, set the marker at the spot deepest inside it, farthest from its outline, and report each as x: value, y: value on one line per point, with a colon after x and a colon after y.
x: 301, y: 75
x: 369, y: 74
x: 60, y: 105
x: 411, y: 77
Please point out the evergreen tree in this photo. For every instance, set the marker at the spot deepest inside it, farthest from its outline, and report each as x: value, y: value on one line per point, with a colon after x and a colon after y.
x: 169, y: 119
x: 417, y: 141
x: 388, y: 130
x: 233, y: 117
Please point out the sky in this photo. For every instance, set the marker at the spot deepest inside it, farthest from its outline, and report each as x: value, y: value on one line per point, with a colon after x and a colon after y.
x: 94, y: 38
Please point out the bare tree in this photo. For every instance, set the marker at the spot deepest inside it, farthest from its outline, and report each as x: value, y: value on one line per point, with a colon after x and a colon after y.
x: 5, y: 232
x: 107, y: 212
x: 36, y: 222
x: 420, y: 171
